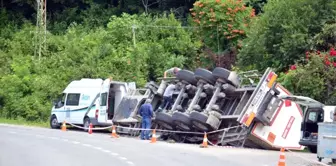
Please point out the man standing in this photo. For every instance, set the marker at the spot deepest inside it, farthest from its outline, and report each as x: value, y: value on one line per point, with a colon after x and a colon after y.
x: 172, y: 71
x: 146, y: 111
x: 168, y: 97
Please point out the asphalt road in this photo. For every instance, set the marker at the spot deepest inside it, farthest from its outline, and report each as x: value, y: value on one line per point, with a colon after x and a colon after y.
x: 30, y: 146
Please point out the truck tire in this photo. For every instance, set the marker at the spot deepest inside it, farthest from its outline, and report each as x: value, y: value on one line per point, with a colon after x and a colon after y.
x: 164, y: 120
x: 199, y: 120
x: 227, y: 75
x: 206, y: 75
x: 213, y: 122
x: 186, y: 75
x: 182, y: 120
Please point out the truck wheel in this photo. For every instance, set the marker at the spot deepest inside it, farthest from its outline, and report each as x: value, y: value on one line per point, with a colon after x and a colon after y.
x: 312, y: 149
x: 187, y: 76
x: 86, y: 123
x: 213, y: 122
x: 198, y: 120
x: 54, y: 123
x: 227, y: 75
x: 164, y: 120
x: 182, y: 120
x: 206, y: 75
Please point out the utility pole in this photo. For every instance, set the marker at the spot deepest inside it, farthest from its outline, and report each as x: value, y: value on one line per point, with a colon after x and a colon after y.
x: 41, y: 28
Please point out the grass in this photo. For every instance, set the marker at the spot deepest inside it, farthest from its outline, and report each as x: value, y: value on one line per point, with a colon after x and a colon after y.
x: 24, y: 122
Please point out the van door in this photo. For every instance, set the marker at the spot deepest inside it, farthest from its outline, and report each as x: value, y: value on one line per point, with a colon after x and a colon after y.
x: 59, y: 109
x: 110, y: 100
x: 103, y: 105
x: 73, y: 113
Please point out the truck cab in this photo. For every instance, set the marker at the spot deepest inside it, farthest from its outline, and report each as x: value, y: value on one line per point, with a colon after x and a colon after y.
x: 314, y: 113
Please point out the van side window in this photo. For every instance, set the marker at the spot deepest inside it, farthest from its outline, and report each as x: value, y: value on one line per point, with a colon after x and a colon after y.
x: 103, y: 99
x: 73, y: 99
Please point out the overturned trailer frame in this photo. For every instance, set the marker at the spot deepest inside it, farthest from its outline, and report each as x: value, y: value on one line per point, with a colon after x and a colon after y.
x: 250, y: 116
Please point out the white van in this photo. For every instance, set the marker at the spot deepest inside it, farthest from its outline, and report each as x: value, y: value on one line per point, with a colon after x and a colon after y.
x: 88, y: 101
x: 315, y: 112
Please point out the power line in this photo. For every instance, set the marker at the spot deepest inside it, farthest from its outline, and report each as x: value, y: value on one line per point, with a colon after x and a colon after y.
x: 41, y: 28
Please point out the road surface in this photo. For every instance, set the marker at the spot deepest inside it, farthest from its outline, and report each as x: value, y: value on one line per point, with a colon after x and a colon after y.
x: 31, y: 146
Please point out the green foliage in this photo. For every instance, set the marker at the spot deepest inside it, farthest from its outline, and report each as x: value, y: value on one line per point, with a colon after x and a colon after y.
x: 258, y: 5
x: 223, y: 22
x: 28, y: 86
x: 284, y: 32
x: 327, y: 38
x: 316, y: 79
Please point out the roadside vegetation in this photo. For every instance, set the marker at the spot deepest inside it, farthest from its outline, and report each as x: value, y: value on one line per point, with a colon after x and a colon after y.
x: 129, y: 40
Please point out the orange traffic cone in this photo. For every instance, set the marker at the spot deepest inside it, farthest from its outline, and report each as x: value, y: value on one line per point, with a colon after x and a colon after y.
x: 205, y: 141
x: 90, y: 128
x: 63, y: 126
x: 114, y: 133
x: 153, y: 140
x: 282, y: 160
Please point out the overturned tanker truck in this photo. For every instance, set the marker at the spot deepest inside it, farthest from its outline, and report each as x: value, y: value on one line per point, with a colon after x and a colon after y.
x: 220, y: 104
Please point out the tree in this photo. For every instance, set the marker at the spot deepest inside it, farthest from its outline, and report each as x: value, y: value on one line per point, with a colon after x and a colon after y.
x: 284, y: 32
x: 222, y: 25
x: 258, y: 5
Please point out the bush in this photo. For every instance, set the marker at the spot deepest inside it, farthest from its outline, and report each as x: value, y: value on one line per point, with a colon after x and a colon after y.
x: 316, y: 78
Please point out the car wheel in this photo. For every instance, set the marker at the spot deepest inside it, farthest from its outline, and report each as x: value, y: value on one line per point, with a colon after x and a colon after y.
x: 206, y: 75
x: 54, y: 123
x: 230, y: 77
x: 182, y: 121
x: 86, y: 123
x: 164, y: 120
x: 333, y: 161
x: 186, y: 75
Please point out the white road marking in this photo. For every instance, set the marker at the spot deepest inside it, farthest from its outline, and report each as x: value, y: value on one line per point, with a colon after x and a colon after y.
x: 75, y: 142
x: 65, y: 140
x: 55, y: 138
x: 106, y: 151
x: 115, y: 154
x: 98, y: 148
x: 12, y: 132
x: 42, y: 136
x: 130, y: 163
x: 123, y: 158
x: 87, y: 145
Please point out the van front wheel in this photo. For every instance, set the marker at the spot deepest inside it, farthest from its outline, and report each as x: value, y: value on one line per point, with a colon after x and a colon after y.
x: 54, y: 123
